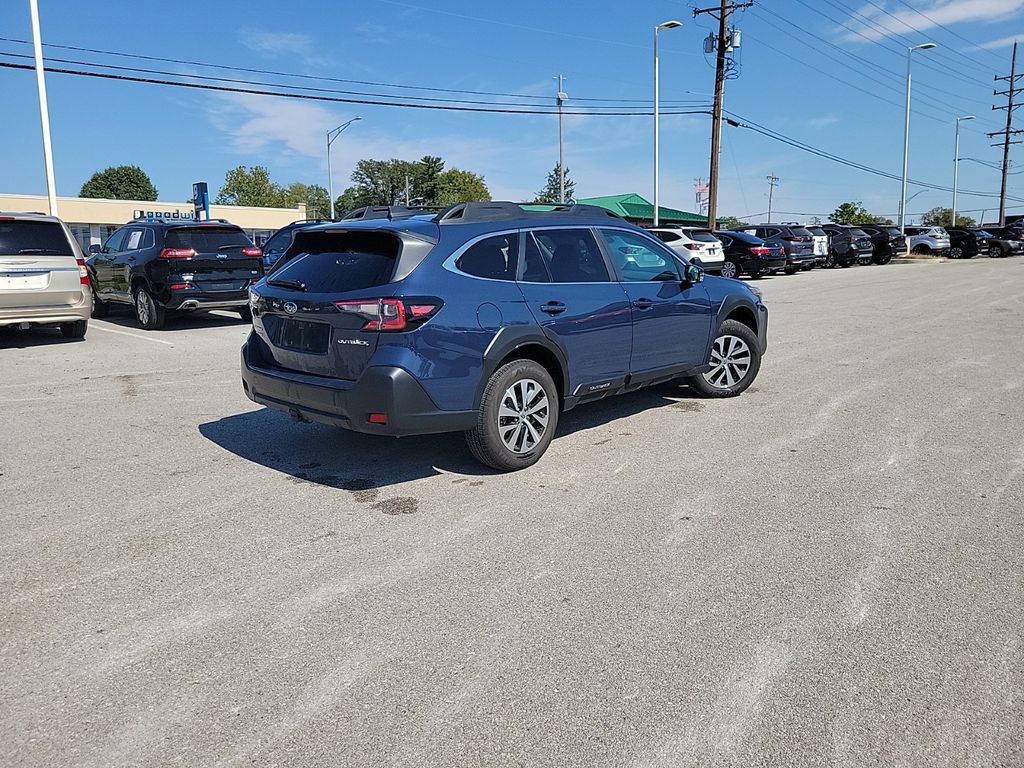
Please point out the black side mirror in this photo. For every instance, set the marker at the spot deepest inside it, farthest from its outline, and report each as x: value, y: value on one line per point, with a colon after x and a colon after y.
x: 94, y: 248
x: 694, y: 274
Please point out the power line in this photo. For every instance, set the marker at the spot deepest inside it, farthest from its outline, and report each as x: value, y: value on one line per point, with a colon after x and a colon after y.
x: 338, y: 99
x: 937, y: 24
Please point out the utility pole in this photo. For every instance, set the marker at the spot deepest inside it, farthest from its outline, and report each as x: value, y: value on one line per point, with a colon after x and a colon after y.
x: 561, y: 99
x: 773, y: 181
x: 1009, y: 131
x: 44, y: 110
x: 722, y: 13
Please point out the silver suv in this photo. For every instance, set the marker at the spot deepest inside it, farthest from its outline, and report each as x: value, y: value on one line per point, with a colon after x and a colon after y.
x: 928, y: 240
x: 43, y: 278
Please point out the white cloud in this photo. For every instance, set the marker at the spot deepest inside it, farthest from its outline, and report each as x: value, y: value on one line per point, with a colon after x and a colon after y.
x: 823, y: 122
x: 290, y: 45
x: 874, y: 23
x: 1002, y: 42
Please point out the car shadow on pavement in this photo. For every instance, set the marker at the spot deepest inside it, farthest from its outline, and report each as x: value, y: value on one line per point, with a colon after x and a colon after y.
x: 33, y: 337
x: 181, y: 321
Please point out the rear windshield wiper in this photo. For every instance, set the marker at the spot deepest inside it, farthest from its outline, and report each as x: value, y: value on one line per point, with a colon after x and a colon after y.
x: 230, y: 246
x: 281, y: 282
x: 41, y: 250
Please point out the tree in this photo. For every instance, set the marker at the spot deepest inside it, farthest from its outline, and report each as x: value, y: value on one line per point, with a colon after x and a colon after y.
x: 729, y: 222
x: 383, y: 182
x: 428, y: 179
x: 852, y: 213
x: 315, y: 197
x: 458, y: 186
x: 245, y: 187
x: 551, y: 189
x: 125, y: 182
x: 942, y: 217
x: 349, y: 200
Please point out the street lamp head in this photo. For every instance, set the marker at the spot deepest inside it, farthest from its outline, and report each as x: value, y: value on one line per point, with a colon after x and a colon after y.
x: 967, y: 117
x: 924, y: 47
x: 670, y: 24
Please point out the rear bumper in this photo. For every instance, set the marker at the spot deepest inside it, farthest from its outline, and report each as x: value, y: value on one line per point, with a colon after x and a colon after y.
x: 385, y: 390
x: 765, y: 263
x: 48, y: 314
x: 186, y: 301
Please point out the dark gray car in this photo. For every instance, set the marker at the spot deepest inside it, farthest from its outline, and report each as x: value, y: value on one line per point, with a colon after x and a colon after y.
x: 797, y: 242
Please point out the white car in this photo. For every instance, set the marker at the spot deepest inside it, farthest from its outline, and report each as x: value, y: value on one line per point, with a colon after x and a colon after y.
x: 43, y: 277
x: 697, y: 244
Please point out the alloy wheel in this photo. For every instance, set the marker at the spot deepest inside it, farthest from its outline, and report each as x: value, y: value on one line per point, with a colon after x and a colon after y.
x: 142, y: 306
x: 728, y: 269
x: 523, y: 416
x: 730, y: 361
x: 956, y: 253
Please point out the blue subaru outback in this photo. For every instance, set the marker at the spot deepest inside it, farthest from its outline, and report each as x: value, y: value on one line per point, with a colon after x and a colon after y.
x: 489, y: 319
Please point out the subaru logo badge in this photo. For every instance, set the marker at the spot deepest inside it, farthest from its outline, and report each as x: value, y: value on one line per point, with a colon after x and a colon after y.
x: 291, y: 307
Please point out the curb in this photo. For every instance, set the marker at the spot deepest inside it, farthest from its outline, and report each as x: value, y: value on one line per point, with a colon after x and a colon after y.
x: 920, y: 260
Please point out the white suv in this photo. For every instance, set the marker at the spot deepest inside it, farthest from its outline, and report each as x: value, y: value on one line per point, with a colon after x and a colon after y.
x: 698, y: 245
x: 43, y: 277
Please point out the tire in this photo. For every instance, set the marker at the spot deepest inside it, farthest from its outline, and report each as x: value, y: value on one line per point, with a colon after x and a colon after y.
x: 150, y: 315
x: 513, y: 387
x: 922, y: 249
x: 730, y: 269
x: 844, y: 263
x: 755, y: 274
x: 956, y: 252
x: 807, y: 267
x: 994, y: 251
x: 830, y: 261
x: 100, y: 308
x: 75, y: 330
x: 790, y: 270
x: 245, y: 313
x: 718, y: 382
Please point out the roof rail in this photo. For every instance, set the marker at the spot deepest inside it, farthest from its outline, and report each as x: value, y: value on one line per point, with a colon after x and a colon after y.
x: 465, y: 213
x: 389, y: 212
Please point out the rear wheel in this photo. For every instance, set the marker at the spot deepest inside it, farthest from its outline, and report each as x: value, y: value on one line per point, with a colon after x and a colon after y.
x: 150, y: 315
x: 730, y: 268
x: 924, y: 250
x: 735, y: 361
x: 956, y: 252
x: 75, y: 330
x: 830, y: 260
x: 517, y: 418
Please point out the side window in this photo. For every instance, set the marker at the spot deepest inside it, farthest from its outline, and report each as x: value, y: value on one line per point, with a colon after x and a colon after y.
x: 279, y: 242
x: 535, y: 265
x: 769, y: 232
x: 726, y: 240
x: 637, y: 259
x: 114, y: 242
x: 571, y: 256
x: 495, y: 258
x: 667, y: 237
x: 133, y: 241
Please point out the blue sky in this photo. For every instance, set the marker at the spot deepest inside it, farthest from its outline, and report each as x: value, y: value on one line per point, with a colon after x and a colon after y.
x: 825, y: 72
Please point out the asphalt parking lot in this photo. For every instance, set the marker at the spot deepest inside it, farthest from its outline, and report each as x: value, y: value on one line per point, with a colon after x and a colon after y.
x: 825, y: 571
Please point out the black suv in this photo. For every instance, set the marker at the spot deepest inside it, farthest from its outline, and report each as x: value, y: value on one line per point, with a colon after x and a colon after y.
x: 886, y: 241
x: 967, y: 243
x: 847, y: 245
x: 797, y: 242
x: 1005, y: 241
x: 162, y: 266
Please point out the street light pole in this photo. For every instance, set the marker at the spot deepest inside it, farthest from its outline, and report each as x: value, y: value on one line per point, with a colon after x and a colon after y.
x: 44, y: 110
x: 906, y: 137
x: 670, y: 24
x: 956, y: 166
x: 331, y: 136
x: 561, y: 141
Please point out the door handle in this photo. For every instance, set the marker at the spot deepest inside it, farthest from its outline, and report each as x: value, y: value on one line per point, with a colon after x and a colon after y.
x: 643, y: 303
x: 553, y: 307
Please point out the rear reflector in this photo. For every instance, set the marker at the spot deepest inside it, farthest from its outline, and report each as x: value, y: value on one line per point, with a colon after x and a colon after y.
x: 377, y: 418
x: 179, y: 286
x: 177, y: 253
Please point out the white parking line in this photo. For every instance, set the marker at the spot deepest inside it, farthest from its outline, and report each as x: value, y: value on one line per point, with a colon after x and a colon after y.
x: 99, y: 327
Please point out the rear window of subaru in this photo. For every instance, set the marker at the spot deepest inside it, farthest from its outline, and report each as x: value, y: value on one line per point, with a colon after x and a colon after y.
x: 336, y: 262
x: 33, y: 237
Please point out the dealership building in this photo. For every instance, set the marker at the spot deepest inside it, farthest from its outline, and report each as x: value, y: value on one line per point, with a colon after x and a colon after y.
x: 92, y: 220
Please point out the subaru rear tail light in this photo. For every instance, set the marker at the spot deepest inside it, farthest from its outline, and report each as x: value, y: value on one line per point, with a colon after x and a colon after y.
x: 83, y: 273
x: 177, y: 253
x: 255, y: 253
x: 391, y: 315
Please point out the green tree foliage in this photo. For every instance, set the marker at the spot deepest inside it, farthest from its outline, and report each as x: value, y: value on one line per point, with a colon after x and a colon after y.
x: 942, y: 217
x: 729, y: 222
x: 125, y: 182
x: 383, y: 182
x: 251, y: 187
x: 349, y: 200
x: 852, y: 213
x: 315, y: 198
x: 551, y: 189
x: 458, y: 186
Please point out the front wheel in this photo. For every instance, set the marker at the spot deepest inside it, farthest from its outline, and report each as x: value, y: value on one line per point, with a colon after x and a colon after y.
x: 100, y: 308
x: 883, y: 259
x: 956, y: 252
x: 830, y: 260
x: 735, y: 361
x: 730, y: 268
x: 517, y: 418
x: 149, y: 314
